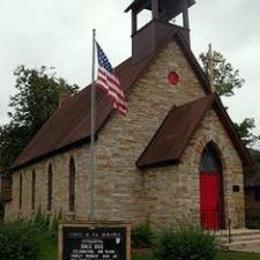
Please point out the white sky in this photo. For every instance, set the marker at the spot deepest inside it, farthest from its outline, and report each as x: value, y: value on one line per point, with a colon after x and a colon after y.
x: 58, y: 33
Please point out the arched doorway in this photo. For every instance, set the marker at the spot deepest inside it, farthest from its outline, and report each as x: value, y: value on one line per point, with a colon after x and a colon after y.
x: 211, y: 189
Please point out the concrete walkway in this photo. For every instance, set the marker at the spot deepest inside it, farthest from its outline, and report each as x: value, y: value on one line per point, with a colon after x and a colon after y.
x: 242, y: 240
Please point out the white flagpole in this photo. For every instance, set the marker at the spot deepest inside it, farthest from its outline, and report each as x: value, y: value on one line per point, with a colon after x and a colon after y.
x: 93, y: 121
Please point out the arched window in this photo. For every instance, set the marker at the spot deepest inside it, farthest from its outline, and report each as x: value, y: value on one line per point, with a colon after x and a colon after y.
x: 20, y: 191
x: 33, y: 189
x: 50, y: 188
x: 72, y: 176
x: 210, y: 161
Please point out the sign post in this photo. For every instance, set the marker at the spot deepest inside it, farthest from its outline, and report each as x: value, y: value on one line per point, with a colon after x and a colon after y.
x: 95, y: 241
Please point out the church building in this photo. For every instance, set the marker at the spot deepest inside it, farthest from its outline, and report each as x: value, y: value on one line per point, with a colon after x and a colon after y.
x: 175, y: 157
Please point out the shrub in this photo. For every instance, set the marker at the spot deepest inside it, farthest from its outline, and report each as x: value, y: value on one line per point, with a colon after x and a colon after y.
x: 17, y: 241
x: 185, y: 243
x: 41, y: 221
x: 142, y: 236
x: 54, y: 224
x: 44, y: 223
x: 253, y: 222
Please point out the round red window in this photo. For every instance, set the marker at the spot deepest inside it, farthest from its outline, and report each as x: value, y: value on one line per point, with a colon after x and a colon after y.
x: 173, y: 78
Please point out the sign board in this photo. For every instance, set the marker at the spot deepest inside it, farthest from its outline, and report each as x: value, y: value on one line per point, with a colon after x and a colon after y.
x: 94, y: 241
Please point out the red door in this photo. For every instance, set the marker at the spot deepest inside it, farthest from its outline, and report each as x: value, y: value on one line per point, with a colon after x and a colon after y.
x: 209, y: 201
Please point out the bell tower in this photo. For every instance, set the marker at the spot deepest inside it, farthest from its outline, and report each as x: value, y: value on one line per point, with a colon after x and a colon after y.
x: 146, y: 39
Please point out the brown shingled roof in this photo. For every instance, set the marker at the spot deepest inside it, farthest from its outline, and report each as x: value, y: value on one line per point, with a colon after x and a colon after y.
x: 138, y: 4
x: 175, y: 133
x: 253, y: 181
x: 70, y: 124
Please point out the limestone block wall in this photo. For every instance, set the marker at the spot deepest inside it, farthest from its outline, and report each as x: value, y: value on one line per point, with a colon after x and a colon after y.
x: 122, y: 140
x: 173, y: 193
x: 60, y: 199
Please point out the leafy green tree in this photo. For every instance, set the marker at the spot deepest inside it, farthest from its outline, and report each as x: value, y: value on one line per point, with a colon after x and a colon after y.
x: 13, y: 138
x: 256, y: 157
x: 226, y: 80
x: 36, y: 98
x: 245, y: 129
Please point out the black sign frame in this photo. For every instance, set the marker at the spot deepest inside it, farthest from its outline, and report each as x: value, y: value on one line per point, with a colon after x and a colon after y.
x: 95, y: 241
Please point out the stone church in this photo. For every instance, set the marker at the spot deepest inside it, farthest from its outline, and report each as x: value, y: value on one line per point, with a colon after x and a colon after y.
x: 176, y: 156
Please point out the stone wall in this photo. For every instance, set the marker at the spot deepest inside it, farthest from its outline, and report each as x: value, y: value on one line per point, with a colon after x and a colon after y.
x: 174, y: 190
x: 60, y: 167
x: 125, y: 192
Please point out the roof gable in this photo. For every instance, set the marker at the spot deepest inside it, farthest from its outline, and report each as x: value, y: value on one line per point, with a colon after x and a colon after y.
x: 174, y: 134
x: 176, y: 131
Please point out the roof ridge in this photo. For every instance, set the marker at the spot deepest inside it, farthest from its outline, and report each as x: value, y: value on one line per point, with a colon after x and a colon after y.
x: 37, y: 148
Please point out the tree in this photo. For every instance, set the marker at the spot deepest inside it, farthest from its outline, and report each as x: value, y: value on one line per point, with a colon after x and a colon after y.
x: 226, y: 80
x: 245, y: 129
x: 37, y: 97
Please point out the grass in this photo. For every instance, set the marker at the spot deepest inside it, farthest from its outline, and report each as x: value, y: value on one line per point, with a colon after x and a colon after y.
x: 48, y: 247
x: 143, y: 258
x: 220, y: 256
x: 237, y: 256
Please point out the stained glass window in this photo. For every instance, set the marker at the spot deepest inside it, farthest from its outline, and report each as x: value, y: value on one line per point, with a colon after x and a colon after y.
x: 209, y: 160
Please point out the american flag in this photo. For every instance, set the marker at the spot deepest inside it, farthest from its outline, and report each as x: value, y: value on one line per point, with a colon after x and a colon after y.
x: 109, y: 83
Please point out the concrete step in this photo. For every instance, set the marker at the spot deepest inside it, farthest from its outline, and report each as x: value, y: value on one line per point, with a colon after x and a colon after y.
x: 241, y: 240
x: 245, y: 238
x: 246, y: 233
x: 238, y: 233
x: 236, y: 246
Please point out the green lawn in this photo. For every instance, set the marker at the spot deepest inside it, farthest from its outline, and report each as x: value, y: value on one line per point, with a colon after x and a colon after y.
x: 221, y: 256
x: 49, y: 248
x: 237, y: 256
x: 50, y: 252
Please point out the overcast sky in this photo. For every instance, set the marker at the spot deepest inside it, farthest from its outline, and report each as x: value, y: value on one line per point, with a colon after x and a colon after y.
x: 58, y: 33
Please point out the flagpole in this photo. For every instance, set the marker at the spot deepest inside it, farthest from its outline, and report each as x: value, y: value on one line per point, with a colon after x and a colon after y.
x: 93, y: 120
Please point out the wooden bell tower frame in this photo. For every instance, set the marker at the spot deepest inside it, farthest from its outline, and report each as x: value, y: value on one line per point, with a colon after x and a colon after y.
x: 146, y: 39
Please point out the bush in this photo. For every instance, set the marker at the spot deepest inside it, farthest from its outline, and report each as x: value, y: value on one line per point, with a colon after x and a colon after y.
x: 17, y: 241
x: 185, y: 243
x: 253, y: 222
x: 142, y: 236
x: 40, y: 221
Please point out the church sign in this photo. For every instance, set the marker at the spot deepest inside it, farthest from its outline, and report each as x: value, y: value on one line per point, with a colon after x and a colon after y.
x: 92, y: 241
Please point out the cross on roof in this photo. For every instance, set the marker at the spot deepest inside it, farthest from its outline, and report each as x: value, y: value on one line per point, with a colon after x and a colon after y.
x: 211, y: 61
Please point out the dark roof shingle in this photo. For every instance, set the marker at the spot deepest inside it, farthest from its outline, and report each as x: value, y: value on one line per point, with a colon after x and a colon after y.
x: 174, y: 134
x: 70, y: 123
